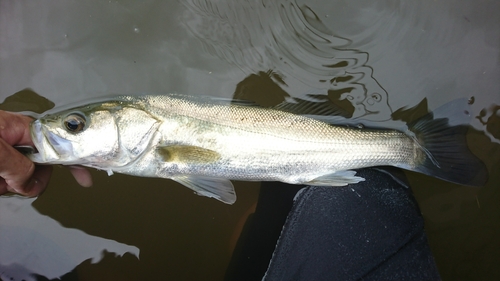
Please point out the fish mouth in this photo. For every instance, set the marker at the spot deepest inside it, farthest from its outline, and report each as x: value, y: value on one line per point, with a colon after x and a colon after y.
x: 51, y: 148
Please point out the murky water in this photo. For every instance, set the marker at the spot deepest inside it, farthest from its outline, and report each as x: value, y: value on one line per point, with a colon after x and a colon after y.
x: 369, y: 59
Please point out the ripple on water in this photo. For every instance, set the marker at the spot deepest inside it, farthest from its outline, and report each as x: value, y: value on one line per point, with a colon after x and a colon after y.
x: 291, y: 40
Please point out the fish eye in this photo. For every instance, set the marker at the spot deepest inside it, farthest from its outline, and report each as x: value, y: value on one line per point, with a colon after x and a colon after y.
x: 74, y: 123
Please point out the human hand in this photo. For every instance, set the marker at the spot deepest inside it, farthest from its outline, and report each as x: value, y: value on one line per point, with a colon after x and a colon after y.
x: 17, y: 173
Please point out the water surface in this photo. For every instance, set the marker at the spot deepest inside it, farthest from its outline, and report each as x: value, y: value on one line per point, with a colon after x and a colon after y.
x: 368, y: 59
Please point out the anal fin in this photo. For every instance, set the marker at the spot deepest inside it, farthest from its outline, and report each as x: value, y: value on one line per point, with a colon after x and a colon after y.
x: 338, y: 178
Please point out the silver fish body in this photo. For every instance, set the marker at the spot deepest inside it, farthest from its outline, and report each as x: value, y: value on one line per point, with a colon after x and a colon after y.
x: 204, y: 142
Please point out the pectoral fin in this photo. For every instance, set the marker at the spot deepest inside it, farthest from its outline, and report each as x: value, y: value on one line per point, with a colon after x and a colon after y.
x: 339, y: 178
x: 220, y: 189
x: 187, y: 154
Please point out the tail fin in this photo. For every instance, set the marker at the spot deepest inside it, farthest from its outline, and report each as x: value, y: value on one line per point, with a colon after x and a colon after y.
x: 448, y: 156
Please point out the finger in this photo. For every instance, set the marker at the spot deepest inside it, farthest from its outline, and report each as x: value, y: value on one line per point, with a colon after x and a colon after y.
x: 81, y: 175
x: 3, y: 186
x: 17, y: 173
x: 15, y: 169
x: 40, y: 179
x: 14, y: 128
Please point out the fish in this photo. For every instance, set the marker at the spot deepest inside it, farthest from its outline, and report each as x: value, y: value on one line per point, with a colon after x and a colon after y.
x: 205, y: 142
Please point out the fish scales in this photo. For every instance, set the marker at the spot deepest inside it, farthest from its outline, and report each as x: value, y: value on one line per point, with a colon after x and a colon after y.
x: 204, y: 142
x: 263, y: 144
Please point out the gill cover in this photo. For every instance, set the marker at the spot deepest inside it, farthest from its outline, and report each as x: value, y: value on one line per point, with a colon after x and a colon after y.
x: 136, y: 129
x: 101, y: 135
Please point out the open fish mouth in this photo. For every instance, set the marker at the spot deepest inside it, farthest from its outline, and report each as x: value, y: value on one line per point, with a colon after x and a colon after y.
x: 49, y: 148
x: 26, y: 149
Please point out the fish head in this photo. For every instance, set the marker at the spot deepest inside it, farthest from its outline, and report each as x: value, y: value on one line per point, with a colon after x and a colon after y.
x: 100, y: 135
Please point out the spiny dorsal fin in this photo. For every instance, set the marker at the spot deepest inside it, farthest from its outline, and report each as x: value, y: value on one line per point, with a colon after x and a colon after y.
x: 312, y: 108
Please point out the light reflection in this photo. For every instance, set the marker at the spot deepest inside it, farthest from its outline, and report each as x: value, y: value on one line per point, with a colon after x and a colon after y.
x: 490, y: 119
x: 36, y: 244
x: 290, y: 40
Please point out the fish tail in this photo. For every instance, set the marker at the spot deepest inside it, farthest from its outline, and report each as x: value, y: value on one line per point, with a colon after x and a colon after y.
x: 444, y: 150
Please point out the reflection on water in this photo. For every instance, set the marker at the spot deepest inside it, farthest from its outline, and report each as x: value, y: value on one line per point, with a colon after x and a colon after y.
x: 364, y: 59
x: 291, y: 40
x: 490, y: 118
x: 26, y: 100
x: 32, y: 243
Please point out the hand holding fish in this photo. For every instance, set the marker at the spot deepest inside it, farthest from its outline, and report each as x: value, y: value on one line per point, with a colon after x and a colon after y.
x: 19, y: 174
